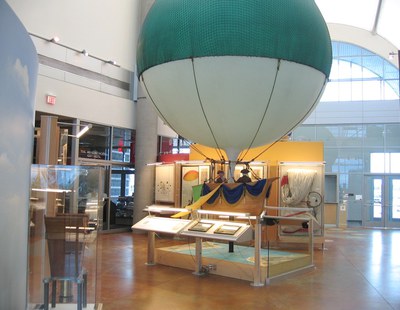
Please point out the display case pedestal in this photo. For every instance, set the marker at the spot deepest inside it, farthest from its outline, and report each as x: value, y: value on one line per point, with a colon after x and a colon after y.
x: 211, y: 246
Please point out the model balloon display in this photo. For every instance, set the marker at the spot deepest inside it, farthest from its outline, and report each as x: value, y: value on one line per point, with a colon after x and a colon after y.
x: 234, y: 74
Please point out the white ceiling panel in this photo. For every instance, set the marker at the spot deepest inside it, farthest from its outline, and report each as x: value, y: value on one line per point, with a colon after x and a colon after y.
x: 364, y: 14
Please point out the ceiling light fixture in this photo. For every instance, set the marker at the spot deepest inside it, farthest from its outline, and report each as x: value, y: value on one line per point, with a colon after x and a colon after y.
x: 83, y: 131
x: 55, y: 39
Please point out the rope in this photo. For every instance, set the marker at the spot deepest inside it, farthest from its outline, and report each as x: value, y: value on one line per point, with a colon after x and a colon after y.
x: 299, y: 122
x: 266, y: 108
x: 204, y: 113
x: 152, y: 101
x: 193, y: 145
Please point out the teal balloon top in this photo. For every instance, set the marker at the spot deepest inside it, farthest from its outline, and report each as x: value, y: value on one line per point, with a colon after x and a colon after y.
x: 292, y: 30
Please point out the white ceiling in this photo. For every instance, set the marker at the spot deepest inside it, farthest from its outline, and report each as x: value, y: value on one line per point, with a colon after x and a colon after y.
x: 379, y: 17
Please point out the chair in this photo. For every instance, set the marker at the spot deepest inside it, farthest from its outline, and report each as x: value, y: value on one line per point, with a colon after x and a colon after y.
x: 65, y: 236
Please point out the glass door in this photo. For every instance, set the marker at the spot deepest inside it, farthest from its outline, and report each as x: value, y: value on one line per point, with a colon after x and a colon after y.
x: 382, y: 201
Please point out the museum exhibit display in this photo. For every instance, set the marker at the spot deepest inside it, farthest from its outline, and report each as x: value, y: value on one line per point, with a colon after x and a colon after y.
x: 178, y: 183
x: 190, y: 58
x: 301, y: 192
x: 221, y: 233
x: 65, y: 205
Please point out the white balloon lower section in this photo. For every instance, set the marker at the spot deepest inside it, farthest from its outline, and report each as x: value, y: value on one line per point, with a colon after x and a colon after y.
x: 233, y: 102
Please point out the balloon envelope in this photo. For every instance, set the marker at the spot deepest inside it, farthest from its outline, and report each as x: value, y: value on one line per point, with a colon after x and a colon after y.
x: 234, y: 74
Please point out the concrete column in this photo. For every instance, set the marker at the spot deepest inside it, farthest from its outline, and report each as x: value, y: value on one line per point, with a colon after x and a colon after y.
x: 145, y: 152
x: 146, y: 144
x: 18, y: 75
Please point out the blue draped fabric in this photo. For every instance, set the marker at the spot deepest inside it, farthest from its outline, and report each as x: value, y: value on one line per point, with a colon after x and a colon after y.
x: 232, y: 195
x: 257, y: 188
x: 206, y: 190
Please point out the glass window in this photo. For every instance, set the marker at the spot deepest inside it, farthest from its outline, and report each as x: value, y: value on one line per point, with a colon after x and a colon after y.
x: 331, y: 92
x: 123, y: 145
x: 389, y: 90
x: 358, y: 74
x: 327, y: 135
x: 95, y: 144
x: 351, y: 160
x: 304, y: 133
x: 368, y: 157
x: 122, y: 197
x: 166, y: 145
x: 357, y: 91
x: 181, y: 146
x: 372, y: 90
x: 331, y: 158
x: 385, y: 163
x: 374, y: 135
x: 392, y: 132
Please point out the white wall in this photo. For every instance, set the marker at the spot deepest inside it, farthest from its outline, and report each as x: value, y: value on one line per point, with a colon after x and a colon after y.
x: 363, y: 38
x: 85, y: 103
x: 107, y: 29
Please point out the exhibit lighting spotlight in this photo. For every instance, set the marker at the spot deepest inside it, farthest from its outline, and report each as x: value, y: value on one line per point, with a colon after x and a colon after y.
x: 55, y: 39
x: 83, y: 131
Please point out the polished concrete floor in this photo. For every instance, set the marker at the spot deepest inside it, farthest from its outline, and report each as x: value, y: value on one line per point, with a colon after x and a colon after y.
x: 358, y: 269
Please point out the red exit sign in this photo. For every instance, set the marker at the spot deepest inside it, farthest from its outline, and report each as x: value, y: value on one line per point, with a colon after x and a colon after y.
x: 50, y: 99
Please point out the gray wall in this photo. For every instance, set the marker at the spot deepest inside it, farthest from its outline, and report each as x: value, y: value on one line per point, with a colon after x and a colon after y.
x: 18, y: 73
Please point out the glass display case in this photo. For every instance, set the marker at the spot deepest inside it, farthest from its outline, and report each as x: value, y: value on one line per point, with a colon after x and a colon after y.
x: 65, y: 217
x: 301, y: 193
x: 230, y: 248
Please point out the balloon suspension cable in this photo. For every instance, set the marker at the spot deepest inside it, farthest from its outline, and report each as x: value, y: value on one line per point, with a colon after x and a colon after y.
x: 252, y: 172
x: 209, y: 159
x: 266, y: 109
x: 309, y: 110
x: 204, y: 113
x: 193, y: 145
x: 266, y: 149
x: 299, y: 122
x: 154, y: 104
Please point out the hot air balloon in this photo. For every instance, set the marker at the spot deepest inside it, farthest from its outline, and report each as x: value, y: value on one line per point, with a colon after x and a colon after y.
x: 234, y: 74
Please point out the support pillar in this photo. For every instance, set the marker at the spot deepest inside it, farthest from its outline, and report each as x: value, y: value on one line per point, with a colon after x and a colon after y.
x: 146, y: 142
x: 18, y: 75
x: 145, y: 152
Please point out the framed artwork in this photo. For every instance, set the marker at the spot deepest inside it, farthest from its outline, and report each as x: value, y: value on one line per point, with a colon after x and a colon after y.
x: 165, y: 184
x: 202, y: 227
x: 192, y: 176
x: 204, y: 174
x: 227, y: 229
x: 258, y: 171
